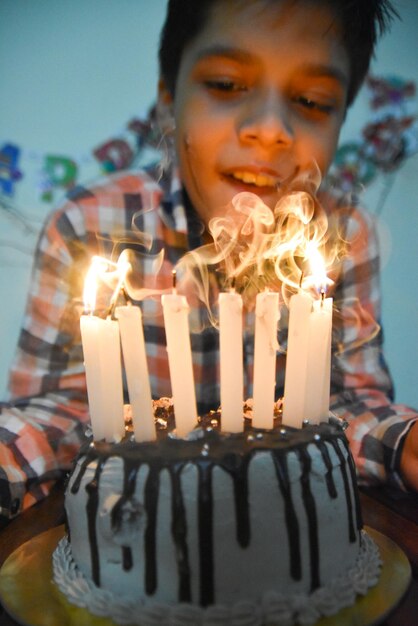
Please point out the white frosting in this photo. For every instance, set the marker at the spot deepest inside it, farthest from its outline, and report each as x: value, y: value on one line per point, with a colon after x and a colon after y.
x: 266, y: 555
x: 240, y: 572
x: 273, y: 607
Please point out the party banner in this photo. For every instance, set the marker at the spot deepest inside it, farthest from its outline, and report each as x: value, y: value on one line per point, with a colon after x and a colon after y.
x: 388, y: 138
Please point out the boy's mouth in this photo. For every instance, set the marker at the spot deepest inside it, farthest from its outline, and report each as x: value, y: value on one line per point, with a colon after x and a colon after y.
x: 255, y: 179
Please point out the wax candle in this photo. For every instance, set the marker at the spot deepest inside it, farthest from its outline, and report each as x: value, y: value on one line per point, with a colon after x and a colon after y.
x: 319, y: 362
x: 294, y: 402
x: 89, y: 337
x: 265, y: 348
x: 136, y: 370
x: 231, y: 361
x: 176, y: 310
x: 102, y: 359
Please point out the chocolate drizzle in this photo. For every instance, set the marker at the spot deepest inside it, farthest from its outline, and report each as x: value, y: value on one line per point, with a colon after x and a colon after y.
x: 152, y: 489
x: 127, y: 558
x: 92, y: 489
x: 179, y: 533
x: 292, y: 523
x: 328, y: 464
x: 237, y: 467
x: 129, y: 483
x: 233, y: 454
x: 205, y: 518
x: 352, y: 468
x: 77, y: 481
x: 310, y: 508
x: 343, y: 465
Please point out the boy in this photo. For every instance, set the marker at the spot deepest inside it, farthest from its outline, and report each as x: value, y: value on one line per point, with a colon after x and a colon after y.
x: 253, y: 93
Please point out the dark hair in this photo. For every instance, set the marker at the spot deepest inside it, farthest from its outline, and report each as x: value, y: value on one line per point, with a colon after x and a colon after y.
x: 361, y: 21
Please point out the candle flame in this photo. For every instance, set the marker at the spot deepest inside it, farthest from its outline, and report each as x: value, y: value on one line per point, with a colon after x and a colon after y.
x: 110, y: 280
x: 103, y: 270
x: 90, y: 285
x: 257, y: 247
x: 122, y: 269
x: 318, y: 278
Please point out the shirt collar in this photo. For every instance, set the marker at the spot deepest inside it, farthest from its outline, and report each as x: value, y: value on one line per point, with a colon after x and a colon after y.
x: 176, y: 210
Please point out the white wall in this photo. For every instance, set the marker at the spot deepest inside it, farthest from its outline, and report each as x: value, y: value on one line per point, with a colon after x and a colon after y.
x: 72, y: 74
x: 397, y: 55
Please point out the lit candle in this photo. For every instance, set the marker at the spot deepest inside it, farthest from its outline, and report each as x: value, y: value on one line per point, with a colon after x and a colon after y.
x: 300, y: 307
x: 308, y: 361
x: 319, y: 362
x: 266, y: 317
x: 176, y: 311
x: 102, y: 360
x: 136, y: 369
x: 101, y: 347
x: 231, y: 361
x: 89, y: 335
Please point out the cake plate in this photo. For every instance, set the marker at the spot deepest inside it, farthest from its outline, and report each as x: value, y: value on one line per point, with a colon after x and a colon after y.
x: 29, y: 595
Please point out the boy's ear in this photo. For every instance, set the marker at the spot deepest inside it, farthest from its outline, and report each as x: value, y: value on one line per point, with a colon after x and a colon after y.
x: 165, y: 107
x: 164, y: 94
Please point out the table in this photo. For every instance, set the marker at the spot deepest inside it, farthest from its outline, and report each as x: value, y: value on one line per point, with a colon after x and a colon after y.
x: 392, y: 513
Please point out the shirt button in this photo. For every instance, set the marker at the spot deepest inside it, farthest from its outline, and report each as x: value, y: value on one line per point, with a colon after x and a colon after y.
x: 15, y: 506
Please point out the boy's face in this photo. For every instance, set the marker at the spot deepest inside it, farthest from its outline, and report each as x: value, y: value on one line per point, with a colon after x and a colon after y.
x: 260, y: 97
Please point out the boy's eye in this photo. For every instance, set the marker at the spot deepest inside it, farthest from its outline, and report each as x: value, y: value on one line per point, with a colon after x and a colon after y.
x: 314, y: 106
x: 225, y: 86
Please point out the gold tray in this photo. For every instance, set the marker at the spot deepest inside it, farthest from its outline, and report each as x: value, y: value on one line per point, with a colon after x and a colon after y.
x: 31, y: 598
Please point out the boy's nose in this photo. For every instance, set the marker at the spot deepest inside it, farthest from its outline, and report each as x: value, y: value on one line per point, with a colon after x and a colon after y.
x: 266, y: 121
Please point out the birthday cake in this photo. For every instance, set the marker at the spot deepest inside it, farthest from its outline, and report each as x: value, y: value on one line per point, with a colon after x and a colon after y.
x: 258, y: 527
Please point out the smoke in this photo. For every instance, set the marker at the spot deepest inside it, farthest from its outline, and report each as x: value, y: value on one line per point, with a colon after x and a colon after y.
x: 256, y: 248
x: 296, y: 244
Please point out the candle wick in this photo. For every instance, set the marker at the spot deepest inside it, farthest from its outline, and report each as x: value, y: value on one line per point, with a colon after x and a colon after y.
x: 174, y: 279
x: 111, y: 310
x: 114, y: 302
x: 322, y: 297
x: 125, y: 296
x: 301, y: 279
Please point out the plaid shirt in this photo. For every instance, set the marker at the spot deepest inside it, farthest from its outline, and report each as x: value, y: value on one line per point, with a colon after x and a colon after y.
x: 43, y: 424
